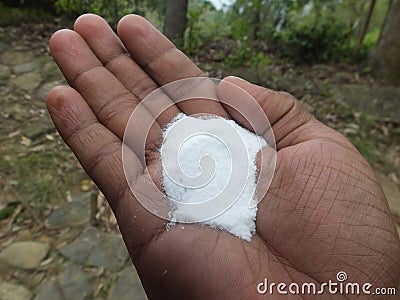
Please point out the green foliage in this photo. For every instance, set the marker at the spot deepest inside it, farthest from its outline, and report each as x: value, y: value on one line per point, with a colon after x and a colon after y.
x: 35, y: 179
x: 205, y: 24
x: 17, y: 15
x: 7, y: 212
x: 245, y: 54
x: 259, y: 60
x: 43, y: 4
x: 112, y: 10
x: 371, y: 38
x: 322, y: 41
x: 258, y: 19
x: 300, y: 30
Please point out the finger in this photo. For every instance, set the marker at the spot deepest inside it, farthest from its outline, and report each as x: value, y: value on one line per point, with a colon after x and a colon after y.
x: 111, y: 102
x: 99, y: 152
x: 291, y: 123
x: 163, y: 61
x: 110, y: 51
x: 243, y: 107
x: 97, y: 148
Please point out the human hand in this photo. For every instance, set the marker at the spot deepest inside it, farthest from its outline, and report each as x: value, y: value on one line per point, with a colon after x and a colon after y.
x: 323, y: 213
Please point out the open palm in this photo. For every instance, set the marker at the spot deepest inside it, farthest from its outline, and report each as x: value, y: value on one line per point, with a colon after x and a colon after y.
x: 323, y: 213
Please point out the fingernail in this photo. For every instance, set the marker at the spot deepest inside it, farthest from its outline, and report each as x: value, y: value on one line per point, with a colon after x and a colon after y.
x: 241, y: 79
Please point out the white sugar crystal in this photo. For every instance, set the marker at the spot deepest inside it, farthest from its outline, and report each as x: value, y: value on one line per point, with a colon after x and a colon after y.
x: 211, y: 158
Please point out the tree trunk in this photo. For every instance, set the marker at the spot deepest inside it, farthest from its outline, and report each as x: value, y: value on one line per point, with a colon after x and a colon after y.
x: 176, y: 21
x: 384, y: 61
x: 366, y: 24
x: 385, y: 19
x: 256, y: 21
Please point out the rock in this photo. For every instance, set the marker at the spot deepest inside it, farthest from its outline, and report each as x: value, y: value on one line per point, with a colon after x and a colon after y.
x: 66, y: 237
x: 14, y: 58
x: 72, y: 214
x: 38, y: 128
x: 26, y: 67
x: 24, y: 255
x: 9, y: 291
x: 71, y: 283
x: 79, y: 250
x: 392, y: 193
x: 97, y: 249
x: 51, y: 72
x: 16, y: 111
x: 4, y: 71
x: 110, y: 253
x: 49, y: 290
x: 35, y: 279
x: 127, y: 286
x: 27, y: 81
x: 379, y: 101
x: 2, y: 45
x: 75, y: 283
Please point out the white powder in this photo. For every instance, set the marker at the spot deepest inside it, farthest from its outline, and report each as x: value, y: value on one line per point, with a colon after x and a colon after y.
x: 209, y: 173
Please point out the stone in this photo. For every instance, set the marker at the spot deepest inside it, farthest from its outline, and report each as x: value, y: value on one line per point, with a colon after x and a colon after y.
x: 35, y: 279
x: 110, y: 253
x: 4, y: 71
x: 51, y: 72
x: 97, y: 249
x: 71, y: 283
x: 38, y: 128
x: 392, y: 193
x: 24, y: 255
x: 27, y: 81
x: 72, y: 214
x: 26, y: 67
x: 80, y: 249
x: 9, y: 291
x: 49, y: 290
x: 127, y: 286
x: 2, y: 45
x: 378, y: 101
x: 14, y: 58
x: 67, y: 237
x: 16, y: 111
x: 75, y: 283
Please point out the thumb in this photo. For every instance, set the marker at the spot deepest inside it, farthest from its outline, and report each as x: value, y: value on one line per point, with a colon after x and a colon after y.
x: 290, y: 121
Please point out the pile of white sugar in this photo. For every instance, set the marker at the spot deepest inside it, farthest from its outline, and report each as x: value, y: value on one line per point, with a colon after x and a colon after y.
x: 209, y: 173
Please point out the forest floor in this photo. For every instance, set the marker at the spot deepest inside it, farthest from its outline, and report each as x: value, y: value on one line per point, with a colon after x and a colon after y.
x: 59, y: 238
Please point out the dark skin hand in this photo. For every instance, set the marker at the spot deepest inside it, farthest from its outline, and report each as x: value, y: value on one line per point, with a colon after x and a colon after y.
x: 324, y: 212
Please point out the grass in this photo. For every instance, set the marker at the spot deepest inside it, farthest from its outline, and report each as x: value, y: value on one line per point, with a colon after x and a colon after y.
x: 105, y: 290
x: 368, y: 149
x: 37, y: 177
x: 7, y: 212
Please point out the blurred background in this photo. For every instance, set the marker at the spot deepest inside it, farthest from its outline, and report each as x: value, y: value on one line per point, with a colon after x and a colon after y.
x: 58, y: 237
